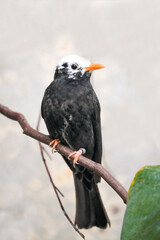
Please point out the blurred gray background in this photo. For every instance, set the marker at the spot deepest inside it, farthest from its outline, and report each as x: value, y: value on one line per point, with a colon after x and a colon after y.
x: 34, y: 35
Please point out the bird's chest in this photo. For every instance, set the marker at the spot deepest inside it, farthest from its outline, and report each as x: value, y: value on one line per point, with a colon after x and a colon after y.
x: 70, y: 112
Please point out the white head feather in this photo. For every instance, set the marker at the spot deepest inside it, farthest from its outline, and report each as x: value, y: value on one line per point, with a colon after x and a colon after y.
x: 71, y: 59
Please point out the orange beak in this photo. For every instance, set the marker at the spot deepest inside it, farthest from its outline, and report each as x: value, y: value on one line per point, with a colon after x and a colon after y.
x: 94, y: 67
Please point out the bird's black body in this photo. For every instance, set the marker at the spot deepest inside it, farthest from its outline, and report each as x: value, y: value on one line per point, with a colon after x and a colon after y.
x: 71, y: 112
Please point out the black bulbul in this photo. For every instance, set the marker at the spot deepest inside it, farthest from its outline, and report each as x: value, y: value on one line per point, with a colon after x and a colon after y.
x: 71, y: 111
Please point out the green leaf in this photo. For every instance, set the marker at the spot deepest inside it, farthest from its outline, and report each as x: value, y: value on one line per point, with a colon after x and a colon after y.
x: 142, y: 217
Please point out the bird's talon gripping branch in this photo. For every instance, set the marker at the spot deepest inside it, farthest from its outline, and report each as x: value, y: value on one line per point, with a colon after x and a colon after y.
x: 54, y: 143
x: 76, y: 155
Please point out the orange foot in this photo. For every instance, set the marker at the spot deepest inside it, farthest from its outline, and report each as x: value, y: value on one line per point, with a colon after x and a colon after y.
x: 76, y: 155
x: 54, y: 143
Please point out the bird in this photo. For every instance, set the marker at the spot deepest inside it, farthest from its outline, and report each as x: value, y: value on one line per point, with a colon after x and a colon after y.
x: 71, y: 112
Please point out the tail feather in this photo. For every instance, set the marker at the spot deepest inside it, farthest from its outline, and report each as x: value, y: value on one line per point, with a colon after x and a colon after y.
x: 89, y: 207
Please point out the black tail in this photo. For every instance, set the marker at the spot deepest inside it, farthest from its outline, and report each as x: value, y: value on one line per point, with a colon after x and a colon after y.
x: 89, y: 207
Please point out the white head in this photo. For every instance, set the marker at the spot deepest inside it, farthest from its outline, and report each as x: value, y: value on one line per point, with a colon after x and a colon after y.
x: 75, y: 66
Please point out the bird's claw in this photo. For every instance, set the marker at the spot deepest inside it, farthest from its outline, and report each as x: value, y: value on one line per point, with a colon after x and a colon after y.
x: 54, y: 143
x: 76, y: 155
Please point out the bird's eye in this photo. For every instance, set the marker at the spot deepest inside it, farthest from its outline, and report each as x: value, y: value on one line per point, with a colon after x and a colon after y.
x: 65, y: 65
x: 74, y: 66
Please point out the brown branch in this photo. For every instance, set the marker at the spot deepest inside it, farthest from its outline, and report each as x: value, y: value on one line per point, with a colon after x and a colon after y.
x: 42, y: 150
x: 56, y: 190
x: 65, y: 151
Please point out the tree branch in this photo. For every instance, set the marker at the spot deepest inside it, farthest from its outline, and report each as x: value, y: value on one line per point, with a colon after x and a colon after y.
x: 65, y: 151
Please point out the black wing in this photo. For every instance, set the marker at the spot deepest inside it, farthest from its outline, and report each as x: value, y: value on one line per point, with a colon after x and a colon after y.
x: 96, y: 121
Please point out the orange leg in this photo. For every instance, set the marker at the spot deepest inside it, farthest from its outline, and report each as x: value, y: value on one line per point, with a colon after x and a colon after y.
x: 76, y: 155
x: 54, y: 143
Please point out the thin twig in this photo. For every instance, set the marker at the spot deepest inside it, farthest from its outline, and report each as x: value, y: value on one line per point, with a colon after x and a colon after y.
x: 65, y: 151
x: 47, y: 153
x: 54, y: 186
x: 42, y: 149
x: 56, y: 192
